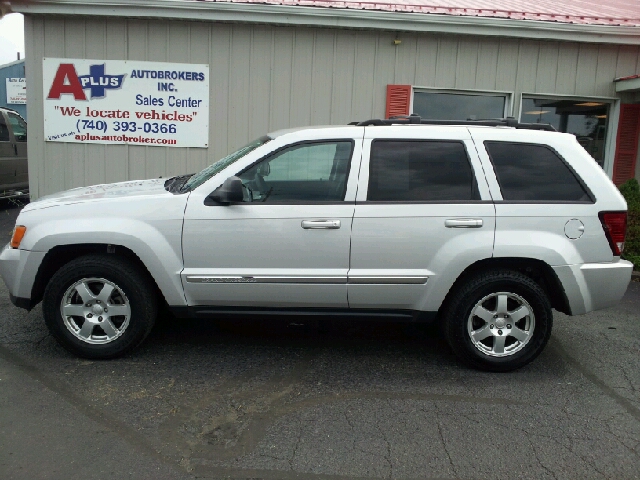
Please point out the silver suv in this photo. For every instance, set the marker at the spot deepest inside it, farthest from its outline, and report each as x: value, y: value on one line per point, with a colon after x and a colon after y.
x: 483, y: 227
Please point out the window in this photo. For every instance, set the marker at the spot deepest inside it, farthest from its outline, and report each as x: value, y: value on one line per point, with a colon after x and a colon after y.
x: 307, y: 172
x: 19, y: 127
x: 199, y: 178
x: 529, y: 172
x: 459, y: 106
x: 586, y: 119
x: 4, y: 130
x: 415, y: 170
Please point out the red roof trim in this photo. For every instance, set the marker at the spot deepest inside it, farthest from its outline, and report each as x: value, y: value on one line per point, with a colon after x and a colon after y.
x: 587, y: 12
x: 622, y: 79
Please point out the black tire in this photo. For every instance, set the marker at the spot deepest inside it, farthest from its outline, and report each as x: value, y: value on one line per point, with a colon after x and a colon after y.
x: 458, y: 323
x: 139, y: 295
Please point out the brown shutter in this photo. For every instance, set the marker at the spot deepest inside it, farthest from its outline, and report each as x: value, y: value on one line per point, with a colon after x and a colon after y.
x: 398, y: 100
x: 624, y: 163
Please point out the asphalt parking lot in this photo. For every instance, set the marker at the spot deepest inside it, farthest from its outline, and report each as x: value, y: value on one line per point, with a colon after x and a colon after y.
x: 285, y: 399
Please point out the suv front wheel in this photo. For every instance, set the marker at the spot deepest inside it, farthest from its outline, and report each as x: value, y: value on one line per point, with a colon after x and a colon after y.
x: 99, y: 306
x: 498, y: 321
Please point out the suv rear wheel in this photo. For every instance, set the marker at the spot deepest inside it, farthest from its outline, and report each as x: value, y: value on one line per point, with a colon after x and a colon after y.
x: 99, y: 306
x: 498, y: 321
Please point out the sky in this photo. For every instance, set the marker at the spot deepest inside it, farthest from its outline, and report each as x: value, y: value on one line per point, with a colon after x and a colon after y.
x: 11, y: 37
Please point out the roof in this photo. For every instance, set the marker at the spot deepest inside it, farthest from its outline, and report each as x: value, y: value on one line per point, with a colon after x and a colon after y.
x: 592, y: 21
x: 585, y: 12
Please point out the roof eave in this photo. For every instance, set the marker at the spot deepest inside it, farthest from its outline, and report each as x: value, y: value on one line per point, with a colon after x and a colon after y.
x: 334, y: 17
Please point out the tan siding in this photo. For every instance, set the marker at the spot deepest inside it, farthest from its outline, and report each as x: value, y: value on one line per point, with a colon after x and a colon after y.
x: 446, y: 63
x: 526, y: 67
x: 344, y: 74
x: 628, y: 59
x: 199, y: 52
x: 487, y: 69
x: 507, y: 70
x: 264, y: 78
x: 426, y: 58
x: 363, y: 81
x: 466, y: 64
x: 548, y: 59
x: 567, y: 69
x: 322, y: 74
x: 587, y: 64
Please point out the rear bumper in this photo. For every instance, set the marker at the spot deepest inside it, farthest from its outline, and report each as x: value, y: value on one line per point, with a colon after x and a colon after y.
x: 18, y: 269
x: 594, y: 286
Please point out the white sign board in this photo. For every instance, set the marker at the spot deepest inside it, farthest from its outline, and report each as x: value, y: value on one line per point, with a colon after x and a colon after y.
x: 123, y: 101
x: 16, y: 91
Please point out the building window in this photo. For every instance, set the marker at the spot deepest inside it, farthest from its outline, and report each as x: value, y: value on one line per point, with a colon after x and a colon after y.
x: 460, y: 105
x: 586, y: 119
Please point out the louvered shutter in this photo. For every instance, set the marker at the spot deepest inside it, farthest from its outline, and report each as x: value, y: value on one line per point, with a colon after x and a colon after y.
x: 398, y: 100
x: 624, y: 164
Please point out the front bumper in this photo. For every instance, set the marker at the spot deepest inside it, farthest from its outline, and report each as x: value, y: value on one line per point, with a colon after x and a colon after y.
x: 18, y: 269
x: 594, y: 286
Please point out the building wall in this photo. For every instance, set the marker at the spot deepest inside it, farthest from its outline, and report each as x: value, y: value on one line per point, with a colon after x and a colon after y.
x: 264, y: 78
x: 11, y: 70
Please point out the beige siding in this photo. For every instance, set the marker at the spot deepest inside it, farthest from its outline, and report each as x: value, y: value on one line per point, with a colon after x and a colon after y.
x: 265, y: 78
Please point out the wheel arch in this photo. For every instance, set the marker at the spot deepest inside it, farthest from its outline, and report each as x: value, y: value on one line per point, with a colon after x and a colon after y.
x: 60, y: 255
x: 538, y: 270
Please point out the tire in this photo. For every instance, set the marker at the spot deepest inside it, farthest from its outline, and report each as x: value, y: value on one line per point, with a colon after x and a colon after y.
x: 498, y: 321
x: 85, y: 289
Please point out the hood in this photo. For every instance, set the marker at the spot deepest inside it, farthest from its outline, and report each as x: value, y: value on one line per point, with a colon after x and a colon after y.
x: 132, y: 188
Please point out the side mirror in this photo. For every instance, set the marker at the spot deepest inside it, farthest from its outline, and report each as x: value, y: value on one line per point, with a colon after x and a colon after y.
x: 229, y: 192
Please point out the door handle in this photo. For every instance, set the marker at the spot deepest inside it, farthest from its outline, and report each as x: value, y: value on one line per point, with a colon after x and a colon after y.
x: 317, y: 224
x: 463, y: 223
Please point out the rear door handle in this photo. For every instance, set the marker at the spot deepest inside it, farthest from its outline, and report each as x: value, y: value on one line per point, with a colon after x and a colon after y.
x: 463, y: 223
x: 317, y: 224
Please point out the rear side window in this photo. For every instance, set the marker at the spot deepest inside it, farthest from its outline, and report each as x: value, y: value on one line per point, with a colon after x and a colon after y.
x: 420, y: 170
x: 530, y: 172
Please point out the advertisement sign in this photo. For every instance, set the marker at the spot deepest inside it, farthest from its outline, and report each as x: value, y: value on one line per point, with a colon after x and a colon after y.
x: 16, y: 91
x: 126, y: 102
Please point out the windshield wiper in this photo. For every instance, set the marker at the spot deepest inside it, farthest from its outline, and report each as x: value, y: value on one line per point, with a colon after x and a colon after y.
x: 175, y: 184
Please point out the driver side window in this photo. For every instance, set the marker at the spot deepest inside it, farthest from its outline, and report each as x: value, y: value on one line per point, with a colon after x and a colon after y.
x: 302, y: 173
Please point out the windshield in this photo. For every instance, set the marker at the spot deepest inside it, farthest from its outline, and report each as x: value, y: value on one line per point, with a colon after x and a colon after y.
x: 199, y: 178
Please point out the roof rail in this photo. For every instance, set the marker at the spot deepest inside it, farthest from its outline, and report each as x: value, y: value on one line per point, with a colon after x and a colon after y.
x: 415, y: 119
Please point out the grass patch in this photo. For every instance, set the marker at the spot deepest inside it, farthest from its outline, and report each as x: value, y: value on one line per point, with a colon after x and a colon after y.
x: 631, y: 192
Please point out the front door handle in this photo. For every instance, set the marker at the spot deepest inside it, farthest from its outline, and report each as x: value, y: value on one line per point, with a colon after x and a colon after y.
x: 463, y: 223
x: 316, y: 224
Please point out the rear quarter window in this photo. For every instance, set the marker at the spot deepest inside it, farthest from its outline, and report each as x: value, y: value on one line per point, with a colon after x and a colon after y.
x: 535, y: 173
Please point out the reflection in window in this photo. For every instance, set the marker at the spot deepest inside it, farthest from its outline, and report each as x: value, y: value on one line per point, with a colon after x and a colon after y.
x: 458, y: 106
x: 586, y: 119
x: 19, y: 127
x: 304, y: 173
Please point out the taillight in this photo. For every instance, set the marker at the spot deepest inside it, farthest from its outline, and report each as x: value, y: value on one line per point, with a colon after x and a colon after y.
x: 614, y: 225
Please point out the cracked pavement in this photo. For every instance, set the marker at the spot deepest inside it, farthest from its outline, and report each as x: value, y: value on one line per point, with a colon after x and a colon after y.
x: 277, y: 399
